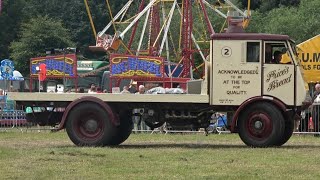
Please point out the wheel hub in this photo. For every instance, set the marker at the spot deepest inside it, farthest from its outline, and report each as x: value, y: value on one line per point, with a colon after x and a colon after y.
x: 258, y: 124
x: 91, y: 125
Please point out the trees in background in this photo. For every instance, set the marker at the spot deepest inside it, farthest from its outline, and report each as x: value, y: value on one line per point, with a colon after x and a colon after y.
x: 70, y: 17
x: 297, y: 18
x: 264, y: 6
x: 10, y: 20
x: 74, y: 17
x: 35, y: 37
x: 299, y: 22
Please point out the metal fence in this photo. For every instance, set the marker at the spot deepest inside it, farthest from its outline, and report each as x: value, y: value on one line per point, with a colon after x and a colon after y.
x: 309, y: 123
x: 13, y: 117
x: 21, y: 125
x: 10, y: 117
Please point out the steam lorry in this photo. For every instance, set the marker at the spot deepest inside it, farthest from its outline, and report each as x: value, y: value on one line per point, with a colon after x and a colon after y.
x: 261, y: 98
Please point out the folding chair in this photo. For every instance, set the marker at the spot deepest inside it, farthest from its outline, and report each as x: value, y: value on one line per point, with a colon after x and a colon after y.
x: 219, y: 123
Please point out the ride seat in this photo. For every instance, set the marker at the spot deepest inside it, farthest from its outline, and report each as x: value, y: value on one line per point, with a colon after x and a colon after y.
x: 106, y: 43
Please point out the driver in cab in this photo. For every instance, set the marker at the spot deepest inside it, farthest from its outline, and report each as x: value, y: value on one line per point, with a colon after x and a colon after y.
x: 277, y: 56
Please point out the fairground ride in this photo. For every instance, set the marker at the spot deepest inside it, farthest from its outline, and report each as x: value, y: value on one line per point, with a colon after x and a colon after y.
x: 163, y: 40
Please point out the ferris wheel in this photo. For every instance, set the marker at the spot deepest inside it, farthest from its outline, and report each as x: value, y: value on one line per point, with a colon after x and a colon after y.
x: 176, y: 30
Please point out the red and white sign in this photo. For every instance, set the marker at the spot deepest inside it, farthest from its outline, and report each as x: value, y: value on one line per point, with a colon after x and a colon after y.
x: 43, y: 72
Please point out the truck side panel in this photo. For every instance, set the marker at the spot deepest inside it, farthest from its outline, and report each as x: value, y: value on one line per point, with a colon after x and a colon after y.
x: 236, y: 76
x: 107, y: 97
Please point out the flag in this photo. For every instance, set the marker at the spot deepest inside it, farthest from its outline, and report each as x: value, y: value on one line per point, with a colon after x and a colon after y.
x: 43, y: 72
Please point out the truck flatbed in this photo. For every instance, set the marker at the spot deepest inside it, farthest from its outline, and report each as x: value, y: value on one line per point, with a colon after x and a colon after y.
x: 108, y: 97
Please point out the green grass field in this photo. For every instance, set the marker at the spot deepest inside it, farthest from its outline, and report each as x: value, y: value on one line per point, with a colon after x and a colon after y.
x: 48, y: 155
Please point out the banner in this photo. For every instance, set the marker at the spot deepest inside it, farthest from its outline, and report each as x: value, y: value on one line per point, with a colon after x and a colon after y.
x: 136, y: 66
x: 309, y: 56
x: 56, y: 66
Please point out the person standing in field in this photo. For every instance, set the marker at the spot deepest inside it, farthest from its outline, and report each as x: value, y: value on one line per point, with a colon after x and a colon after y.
x: 316, y: 108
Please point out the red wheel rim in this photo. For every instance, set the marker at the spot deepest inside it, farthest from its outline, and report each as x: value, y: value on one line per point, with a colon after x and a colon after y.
x: 259, y: 125
x: 89, y: 127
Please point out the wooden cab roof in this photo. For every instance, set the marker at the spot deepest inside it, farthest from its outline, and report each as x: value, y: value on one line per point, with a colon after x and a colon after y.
x: 248, y: 36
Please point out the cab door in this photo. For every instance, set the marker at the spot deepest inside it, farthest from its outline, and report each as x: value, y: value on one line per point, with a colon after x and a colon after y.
x: 278, y: 77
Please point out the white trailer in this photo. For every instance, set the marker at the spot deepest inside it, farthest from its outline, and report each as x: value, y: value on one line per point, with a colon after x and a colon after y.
x: 261, y: 98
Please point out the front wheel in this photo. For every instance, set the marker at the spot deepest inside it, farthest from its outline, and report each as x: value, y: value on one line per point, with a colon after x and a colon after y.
x: 261, y: 125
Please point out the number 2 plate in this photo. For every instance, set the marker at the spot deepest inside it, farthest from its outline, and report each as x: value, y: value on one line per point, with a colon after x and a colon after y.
x: 226, y: 51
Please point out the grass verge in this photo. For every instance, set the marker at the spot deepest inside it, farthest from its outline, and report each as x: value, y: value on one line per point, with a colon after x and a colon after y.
x: 152, y: 156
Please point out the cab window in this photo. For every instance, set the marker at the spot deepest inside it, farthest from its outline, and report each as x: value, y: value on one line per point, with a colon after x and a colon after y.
x: 274, y: 53
x: 253, y: 51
